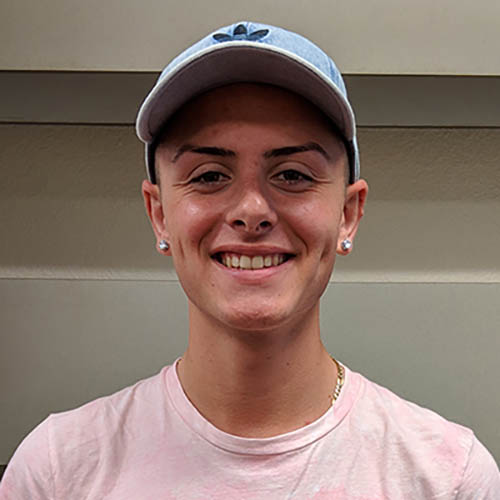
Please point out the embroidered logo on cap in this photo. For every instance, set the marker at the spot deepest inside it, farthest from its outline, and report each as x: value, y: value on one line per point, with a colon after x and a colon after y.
x: 241, y: 33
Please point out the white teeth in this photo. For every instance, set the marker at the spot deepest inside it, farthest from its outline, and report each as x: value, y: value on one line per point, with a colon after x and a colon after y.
x: 249, y: 262
x: 245, y: 262
x: 257, y: 262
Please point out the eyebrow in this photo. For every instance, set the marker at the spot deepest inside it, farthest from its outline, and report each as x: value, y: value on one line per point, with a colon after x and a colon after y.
x: 273, y: 153
x: 290, y: 150
x: 203, y: 150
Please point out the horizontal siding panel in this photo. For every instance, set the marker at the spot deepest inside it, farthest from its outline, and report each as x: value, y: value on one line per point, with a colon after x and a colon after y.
x: 379, y: 100
x: 67, y: 342
x: 445, y: 37
x: 70, y: 206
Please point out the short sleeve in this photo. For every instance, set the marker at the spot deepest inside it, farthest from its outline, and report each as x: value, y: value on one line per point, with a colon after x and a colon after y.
x: 29, y: 474
x: 481, y: 478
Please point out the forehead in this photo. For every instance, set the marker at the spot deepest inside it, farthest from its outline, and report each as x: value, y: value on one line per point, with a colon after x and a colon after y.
x: 261, y: 106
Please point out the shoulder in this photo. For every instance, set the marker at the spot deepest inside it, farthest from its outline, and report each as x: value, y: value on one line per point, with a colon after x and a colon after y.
x: 109, y: 422
x: 73, y: 443
x: 422, y: 441
x: 29, y: 473
x: 113, y: 410
x: 481, y: 478
x: 383, y: 410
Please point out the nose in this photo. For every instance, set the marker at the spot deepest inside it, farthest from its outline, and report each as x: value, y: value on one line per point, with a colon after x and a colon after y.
x: 252, y: 213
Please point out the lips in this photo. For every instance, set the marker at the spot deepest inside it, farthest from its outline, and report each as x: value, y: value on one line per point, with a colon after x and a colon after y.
x: 251, y: 262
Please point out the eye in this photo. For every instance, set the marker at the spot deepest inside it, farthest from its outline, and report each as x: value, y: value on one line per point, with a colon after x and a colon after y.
x: 292, y: 177
x: 211, y: 177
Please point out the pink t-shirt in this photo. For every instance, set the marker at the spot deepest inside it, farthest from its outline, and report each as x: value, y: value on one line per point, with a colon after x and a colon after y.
x: 148, y: 442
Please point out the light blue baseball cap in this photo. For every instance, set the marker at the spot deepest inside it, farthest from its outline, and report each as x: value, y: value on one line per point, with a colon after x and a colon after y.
x: 252, y: 53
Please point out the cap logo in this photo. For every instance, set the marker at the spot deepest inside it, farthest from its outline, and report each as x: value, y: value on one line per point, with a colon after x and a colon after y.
x: 240, y: 33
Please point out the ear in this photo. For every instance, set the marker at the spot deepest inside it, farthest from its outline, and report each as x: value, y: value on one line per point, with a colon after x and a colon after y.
x: 354, y: 209
x: 154, y: 208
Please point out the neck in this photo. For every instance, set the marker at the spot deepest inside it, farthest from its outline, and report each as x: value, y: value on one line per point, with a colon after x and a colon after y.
x: 257, y: 384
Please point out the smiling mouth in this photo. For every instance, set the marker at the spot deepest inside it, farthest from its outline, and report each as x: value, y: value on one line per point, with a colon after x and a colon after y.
x: 251, y: 262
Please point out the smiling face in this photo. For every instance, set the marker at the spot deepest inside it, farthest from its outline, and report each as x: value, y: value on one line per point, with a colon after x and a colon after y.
x: 254, y: 205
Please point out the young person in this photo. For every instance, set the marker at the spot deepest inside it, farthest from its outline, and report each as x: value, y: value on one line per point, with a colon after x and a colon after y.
x: 253, y: 189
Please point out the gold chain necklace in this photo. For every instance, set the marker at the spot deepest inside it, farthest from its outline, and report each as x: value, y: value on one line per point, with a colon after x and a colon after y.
x: 340, y: 381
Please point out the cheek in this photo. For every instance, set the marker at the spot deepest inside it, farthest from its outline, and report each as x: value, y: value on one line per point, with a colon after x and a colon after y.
x: 188, y: 223
x: 318, y: 225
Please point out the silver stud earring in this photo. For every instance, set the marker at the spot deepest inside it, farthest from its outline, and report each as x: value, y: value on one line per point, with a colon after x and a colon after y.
x: 346, y: 245
x: 163, y: 245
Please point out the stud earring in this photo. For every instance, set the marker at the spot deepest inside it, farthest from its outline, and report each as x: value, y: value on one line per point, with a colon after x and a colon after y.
x: 346, y: 245
x: 163, y: 245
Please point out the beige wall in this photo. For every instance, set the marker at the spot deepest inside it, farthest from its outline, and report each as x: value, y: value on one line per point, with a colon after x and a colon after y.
x: 86, y: 304
x: 65, y: 342
x: 75, y: 191
x: 374, y: 37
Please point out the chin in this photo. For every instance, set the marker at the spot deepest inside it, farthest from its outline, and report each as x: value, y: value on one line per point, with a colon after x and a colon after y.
x: 263, y: 318
x: 254, y: 324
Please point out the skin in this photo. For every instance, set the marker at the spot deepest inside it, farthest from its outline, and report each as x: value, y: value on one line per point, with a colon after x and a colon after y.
x: 255, y: 365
